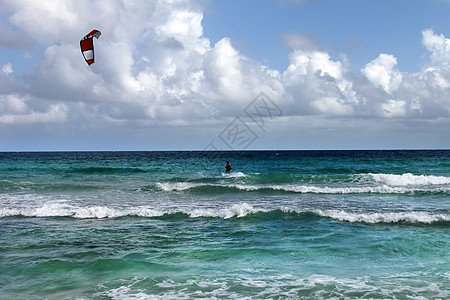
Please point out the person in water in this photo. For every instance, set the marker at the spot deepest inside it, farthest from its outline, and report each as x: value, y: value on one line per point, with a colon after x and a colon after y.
x: 228, y: 167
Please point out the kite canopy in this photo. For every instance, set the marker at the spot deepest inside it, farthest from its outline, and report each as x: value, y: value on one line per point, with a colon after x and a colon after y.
x: 87, y: 46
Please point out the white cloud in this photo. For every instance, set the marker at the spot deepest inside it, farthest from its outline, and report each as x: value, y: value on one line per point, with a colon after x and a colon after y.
x: 46, y: 20
x: 223, y: 67
x: 155, y: 67
x: 8, y: 81
x: 332, y: 106
x: 394, y: 108
x: 317, y: 84
x: 438, y: 45
x: 7, y: 69
x: 15, y: 110
x: 381, y: 72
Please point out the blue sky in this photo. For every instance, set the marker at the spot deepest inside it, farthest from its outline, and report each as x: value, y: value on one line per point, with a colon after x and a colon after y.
x: 190, y: 75
x: 360, y: 29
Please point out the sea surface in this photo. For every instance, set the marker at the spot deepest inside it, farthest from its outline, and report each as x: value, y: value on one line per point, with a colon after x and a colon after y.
x: 171, y: 225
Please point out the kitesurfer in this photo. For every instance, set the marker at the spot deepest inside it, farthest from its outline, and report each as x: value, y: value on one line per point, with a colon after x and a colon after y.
x: 228, y: 168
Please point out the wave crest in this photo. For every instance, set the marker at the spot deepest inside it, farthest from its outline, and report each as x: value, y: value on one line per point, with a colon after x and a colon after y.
x: 238, y: 210
x: 413, y: 217
x: 409, y: 179
x: 300, y: 188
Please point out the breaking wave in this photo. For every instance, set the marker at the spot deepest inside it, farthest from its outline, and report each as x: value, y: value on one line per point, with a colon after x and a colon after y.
x: 409, y: 179
x: 241, y: 210
x: 301, y: 188
x: 297, y: 183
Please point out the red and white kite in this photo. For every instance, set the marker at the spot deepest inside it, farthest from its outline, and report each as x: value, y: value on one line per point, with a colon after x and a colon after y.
x: 87, y: 46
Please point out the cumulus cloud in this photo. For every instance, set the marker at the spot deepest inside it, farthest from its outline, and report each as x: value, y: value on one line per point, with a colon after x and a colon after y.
x: 15, y: 110
x: 317, y: 84
x: 381, y: 73
x: 438, y: 45
x: 154, y: 66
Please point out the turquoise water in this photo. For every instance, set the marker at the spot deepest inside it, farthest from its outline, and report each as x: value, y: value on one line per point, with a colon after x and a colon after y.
x: 171, y: 225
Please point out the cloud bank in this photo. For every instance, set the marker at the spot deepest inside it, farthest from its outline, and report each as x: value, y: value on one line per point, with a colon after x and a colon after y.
x: 155, y: 67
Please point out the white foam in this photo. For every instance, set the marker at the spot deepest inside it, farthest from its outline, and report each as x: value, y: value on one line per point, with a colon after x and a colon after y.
x: 409, y: 179
x: 263, y: 286
x: 238, y: 210
x: 314, y: 189
x: 99, y: 212
x: 383, y: 189
x: 234, y: 175
x: 176, y: 186
x: 93, y: 212
x: 8, y: 212
x: 169, y: 289
x: 385, y: 217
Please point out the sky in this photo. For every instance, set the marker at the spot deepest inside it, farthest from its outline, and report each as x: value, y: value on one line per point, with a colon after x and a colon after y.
x: 227, y: 75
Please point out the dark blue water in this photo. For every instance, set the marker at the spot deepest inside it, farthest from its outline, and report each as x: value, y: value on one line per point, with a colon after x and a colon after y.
x: 171, y: 225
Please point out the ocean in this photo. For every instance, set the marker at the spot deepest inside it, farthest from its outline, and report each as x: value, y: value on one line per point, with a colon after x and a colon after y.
x: 172, y: 225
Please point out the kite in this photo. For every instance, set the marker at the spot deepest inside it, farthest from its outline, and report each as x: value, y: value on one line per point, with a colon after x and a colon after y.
x: 87, y: 46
